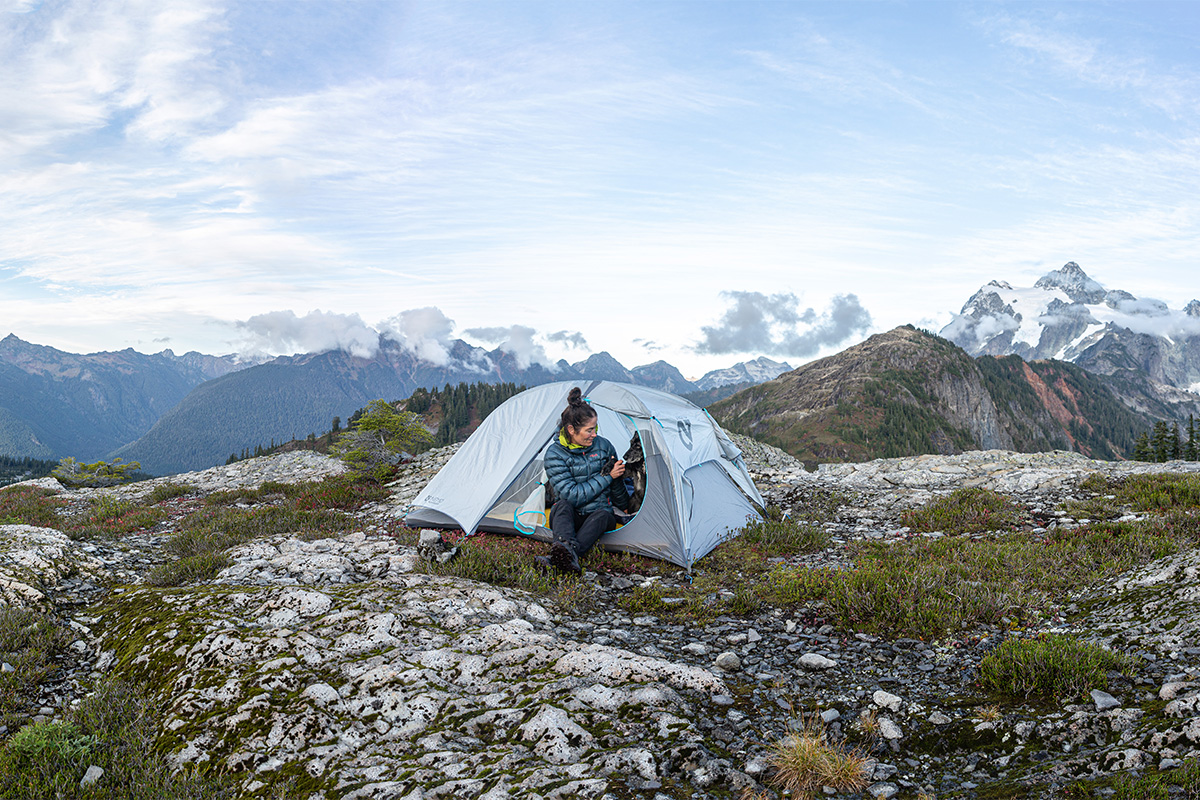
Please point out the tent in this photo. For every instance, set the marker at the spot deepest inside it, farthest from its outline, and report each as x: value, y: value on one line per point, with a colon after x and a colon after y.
x: 697, y: 489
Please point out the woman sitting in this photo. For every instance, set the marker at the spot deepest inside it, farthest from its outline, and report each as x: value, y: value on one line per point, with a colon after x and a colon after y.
x: 585, y: 474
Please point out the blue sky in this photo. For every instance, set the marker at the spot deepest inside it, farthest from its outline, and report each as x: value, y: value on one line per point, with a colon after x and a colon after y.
x: 701, y: 182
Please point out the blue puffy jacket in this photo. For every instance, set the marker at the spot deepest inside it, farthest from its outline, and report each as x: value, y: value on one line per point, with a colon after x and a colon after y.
x: 577, y: 475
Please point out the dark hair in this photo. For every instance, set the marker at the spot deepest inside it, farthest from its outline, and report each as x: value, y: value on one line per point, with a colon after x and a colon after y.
x: 577, y: 413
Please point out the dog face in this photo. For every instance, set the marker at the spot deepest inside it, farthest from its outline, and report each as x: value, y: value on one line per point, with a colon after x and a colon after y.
x: 635, y: 468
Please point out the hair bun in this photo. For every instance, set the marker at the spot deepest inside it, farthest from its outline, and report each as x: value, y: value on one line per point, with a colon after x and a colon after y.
x: 575, y: 397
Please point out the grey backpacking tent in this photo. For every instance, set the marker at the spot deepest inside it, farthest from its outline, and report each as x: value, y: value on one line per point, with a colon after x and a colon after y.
x: 697, y: 489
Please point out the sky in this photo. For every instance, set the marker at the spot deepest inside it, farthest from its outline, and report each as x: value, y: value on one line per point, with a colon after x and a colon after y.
x: 699, y: 182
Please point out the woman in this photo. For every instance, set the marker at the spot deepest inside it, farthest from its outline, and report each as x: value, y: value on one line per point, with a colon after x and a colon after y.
x: 585, y: 474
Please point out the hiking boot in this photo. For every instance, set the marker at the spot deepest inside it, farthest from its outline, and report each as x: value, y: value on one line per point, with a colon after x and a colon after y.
x: 564, y: 559
x: 542, y: 563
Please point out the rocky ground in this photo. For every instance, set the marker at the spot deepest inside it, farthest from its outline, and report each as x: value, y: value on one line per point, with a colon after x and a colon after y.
x: 340, y: 669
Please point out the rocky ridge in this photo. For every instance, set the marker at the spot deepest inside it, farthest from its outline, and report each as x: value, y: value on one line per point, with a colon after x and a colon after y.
x: 336, y: 665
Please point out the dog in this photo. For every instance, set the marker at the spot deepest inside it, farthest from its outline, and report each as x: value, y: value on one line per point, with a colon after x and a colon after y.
x: 635, y: 470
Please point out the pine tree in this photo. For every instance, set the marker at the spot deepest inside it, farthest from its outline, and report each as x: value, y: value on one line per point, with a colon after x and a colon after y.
x: 1159, y: 441
x: 1190, y: 453
x: 1175, y: 444
x: 1141, y: 450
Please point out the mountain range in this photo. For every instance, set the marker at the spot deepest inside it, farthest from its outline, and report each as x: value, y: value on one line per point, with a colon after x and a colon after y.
x: 908, y: 392
x: 54, y: 403
x: 178, y: 413
x: 1064, y: 364
x: 1145, y: 351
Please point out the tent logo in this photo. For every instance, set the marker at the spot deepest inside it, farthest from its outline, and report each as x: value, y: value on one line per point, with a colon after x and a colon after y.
x: 685, y: 432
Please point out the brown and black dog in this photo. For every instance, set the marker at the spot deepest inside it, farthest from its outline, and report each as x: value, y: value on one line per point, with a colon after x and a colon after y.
x: 635, y: 468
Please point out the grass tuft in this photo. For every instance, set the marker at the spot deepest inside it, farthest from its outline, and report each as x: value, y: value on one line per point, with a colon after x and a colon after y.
x: 43, y: 740
x: 1050, y: 666
x: 805, y: 762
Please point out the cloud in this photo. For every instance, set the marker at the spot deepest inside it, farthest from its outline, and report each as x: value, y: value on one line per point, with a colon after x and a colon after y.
x: 517, y: 340
x: 573, y: 340
x: 315, y: 332
x: 1154, y: 318
x: 767, y: 324
x: 426, y: 332
x: 1100, y: 62
x: 1144, y: 307
x: 649, y: 345
x: 993, y: 325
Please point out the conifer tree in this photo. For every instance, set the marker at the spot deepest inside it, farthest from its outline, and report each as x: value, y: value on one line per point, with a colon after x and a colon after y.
x: 1175, y: 444
x: 1190, y: 453
x: 1159, y: 441
x: 379, y: 436
x: 1141, y: 449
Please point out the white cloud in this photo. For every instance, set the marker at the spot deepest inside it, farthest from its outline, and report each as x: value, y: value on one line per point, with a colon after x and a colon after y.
x: 128, y: 65
x: 1109, y: 63
x: 315, y: 332
x: 426, y: 332
x: 759, y: 323
x: 517, y: 340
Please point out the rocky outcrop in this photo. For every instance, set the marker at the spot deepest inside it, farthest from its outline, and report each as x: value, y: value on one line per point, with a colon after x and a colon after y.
x: 333, y: 666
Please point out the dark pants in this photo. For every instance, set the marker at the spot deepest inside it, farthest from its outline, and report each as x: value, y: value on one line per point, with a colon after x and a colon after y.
x: 579, y: 531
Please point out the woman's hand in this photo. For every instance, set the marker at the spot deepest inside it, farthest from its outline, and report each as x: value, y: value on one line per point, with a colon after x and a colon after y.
x: 618, y: 470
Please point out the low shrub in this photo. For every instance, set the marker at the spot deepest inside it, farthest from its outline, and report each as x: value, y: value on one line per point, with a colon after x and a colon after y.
x: 169, y: 491
x: 115, y: 728
x: 32, y: 643
x: 1151, y: 492
x: 928, y: 588
x: 692, y: 603
x: 1153, y: 787
x: 189, y: 569
x: 779, y: 535
x: 491, y: 559
x: 30, y: 505
x: 1093, y: 508
x: 342, y: 492
x: 1161, y: 492
x: 111, y: 516
x: 1049, y: 666
x: 214, y: 529
x: 970, y: 510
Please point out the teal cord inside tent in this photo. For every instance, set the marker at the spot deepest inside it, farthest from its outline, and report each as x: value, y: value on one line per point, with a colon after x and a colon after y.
x: 520, y: 526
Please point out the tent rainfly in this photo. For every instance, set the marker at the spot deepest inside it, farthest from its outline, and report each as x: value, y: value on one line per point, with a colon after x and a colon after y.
x: 697, y: 489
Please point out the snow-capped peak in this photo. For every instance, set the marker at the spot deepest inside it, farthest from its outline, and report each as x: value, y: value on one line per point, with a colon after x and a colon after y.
x: 1068, y: 315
